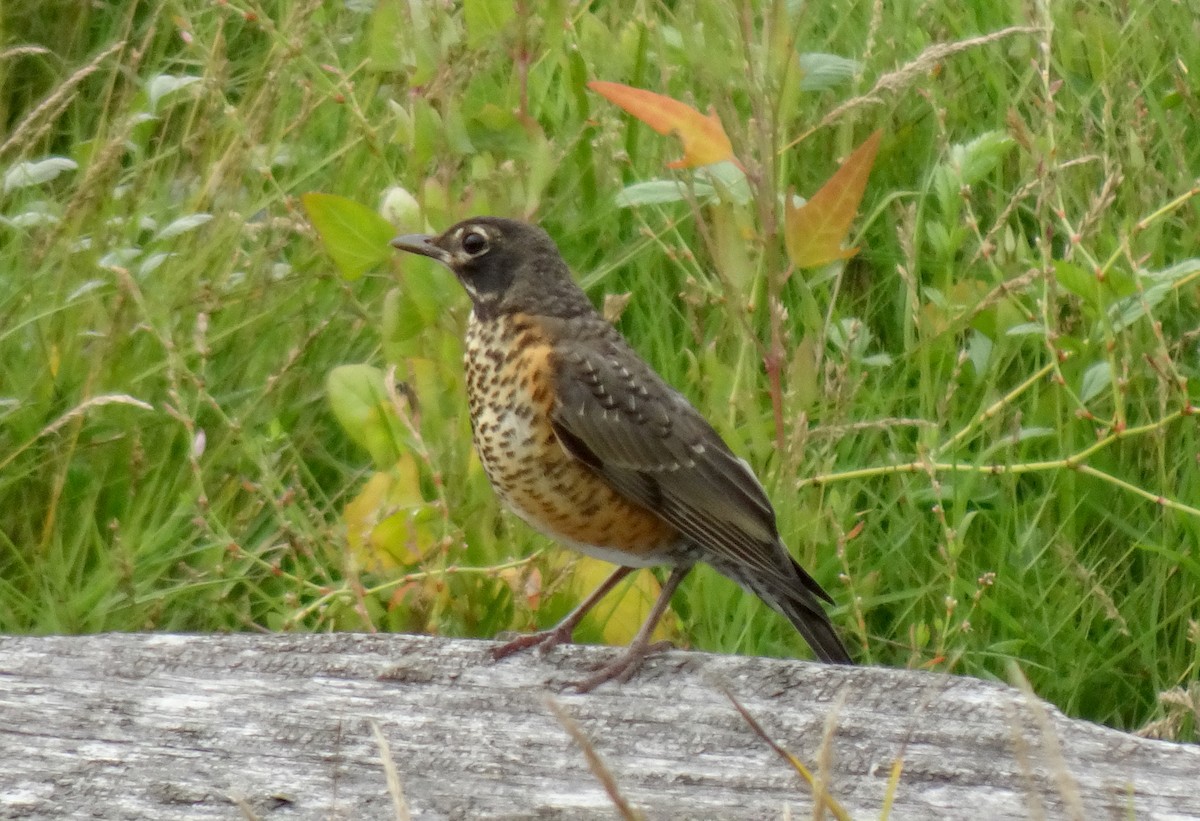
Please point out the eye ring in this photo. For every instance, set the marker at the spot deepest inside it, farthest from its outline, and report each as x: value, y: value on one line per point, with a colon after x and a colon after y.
x: 475, y: 242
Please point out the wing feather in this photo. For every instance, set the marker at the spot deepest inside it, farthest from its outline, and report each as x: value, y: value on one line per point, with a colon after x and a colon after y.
x: 619, y: 417
x: 616, y: 415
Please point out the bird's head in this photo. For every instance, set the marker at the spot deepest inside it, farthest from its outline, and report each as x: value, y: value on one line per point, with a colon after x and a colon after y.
x: 506, y: 266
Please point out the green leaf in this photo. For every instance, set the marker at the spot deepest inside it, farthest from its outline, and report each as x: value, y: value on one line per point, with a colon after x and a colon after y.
x: 427, y: 292
x: 354, y: 235
x: 1078, y: 281
x: 824, y: 71
x: 1027, y: 329
x: 1025, y: 434
x: 1161, y: 283
x: 387, y: 34
x: 542, y: 168
x: 1119, y: 283
x: 26, y: 174
x: 1132, y: 308
x: 1095, y: 379
x: 165, y: 84
x: 946, y: 186
x: 427, y: 133
x: 402, y: 318
x: 408, y: 37
x: 659, y: 192
x: 359, y: 400
x: 486, y: 20
x: 183, y: 225
x: 976, y: 159
x: 979, y: 349
x: 1175, y: 272
x: 729, y: 181
x: 850, y: 335
x: 938, y: 238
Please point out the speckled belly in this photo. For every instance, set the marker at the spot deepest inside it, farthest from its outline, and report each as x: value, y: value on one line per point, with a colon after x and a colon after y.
x: 510, y: 387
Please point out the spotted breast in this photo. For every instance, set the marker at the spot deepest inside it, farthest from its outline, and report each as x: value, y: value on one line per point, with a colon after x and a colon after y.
x: 510, y: 369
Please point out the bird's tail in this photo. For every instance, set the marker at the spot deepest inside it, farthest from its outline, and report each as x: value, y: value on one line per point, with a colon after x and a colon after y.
x: 799, y: 600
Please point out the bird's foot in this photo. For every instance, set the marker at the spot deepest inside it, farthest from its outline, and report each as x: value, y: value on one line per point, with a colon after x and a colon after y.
x: 623, y: 669
x: 544, y: 640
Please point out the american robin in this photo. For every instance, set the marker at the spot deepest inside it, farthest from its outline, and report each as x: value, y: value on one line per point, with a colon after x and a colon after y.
x: 585, y: 442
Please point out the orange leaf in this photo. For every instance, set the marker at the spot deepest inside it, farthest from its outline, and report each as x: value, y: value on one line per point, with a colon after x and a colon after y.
x: 814, y: 232
x: 704, y: 139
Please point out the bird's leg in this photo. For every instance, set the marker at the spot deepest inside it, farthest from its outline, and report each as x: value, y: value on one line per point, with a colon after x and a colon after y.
x: 624, y: 667
x: 561, y: 633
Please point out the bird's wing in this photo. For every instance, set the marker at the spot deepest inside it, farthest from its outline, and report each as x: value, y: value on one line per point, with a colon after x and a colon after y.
x: 618, y: 416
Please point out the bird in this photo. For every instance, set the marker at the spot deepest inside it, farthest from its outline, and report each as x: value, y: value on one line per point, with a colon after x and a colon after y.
x: 581, y: 438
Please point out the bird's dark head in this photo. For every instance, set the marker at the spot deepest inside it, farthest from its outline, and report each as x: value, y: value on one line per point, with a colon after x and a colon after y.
x: 506, y: 266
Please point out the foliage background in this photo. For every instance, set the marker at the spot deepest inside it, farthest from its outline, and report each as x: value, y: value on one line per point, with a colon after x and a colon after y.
x: 1026, y: 290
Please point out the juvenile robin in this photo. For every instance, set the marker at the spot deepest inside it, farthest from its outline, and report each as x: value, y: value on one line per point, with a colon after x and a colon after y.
x: 585, y: 442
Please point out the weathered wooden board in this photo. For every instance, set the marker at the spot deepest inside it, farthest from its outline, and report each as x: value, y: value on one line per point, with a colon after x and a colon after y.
x: 235, y: 726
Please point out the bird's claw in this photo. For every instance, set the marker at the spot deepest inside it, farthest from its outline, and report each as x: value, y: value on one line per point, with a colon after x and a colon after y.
x: 623, y: 669
x: 543, y: 640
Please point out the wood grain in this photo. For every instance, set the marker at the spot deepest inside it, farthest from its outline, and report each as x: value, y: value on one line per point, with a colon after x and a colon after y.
x: 280, y: 726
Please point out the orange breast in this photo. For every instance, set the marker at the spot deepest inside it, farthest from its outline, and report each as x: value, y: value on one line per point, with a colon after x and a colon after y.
x: 510, y: 373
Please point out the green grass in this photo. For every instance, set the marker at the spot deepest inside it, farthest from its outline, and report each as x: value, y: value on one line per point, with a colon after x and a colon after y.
x: 169, y: 459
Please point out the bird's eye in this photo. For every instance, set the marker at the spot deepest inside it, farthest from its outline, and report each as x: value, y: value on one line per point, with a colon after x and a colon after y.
x: 475, y: 242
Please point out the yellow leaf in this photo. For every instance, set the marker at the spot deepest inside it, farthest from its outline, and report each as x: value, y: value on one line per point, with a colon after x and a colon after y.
x: 389, y: 525
x: 814, y: 232
x: 704, y: 139
x: 621, y: 613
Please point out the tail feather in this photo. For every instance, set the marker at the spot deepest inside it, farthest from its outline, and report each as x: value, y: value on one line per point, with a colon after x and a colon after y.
x: 799, y: 601
x: 814, y: 625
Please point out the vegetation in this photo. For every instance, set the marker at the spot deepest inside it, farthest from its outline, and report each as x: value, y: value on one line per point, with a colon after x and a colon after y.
x: 979, y: 431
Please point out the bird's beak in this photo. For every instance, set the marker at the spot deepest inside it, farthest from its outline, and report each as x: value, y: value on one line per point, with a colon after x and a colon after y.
x: 422, y: 244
